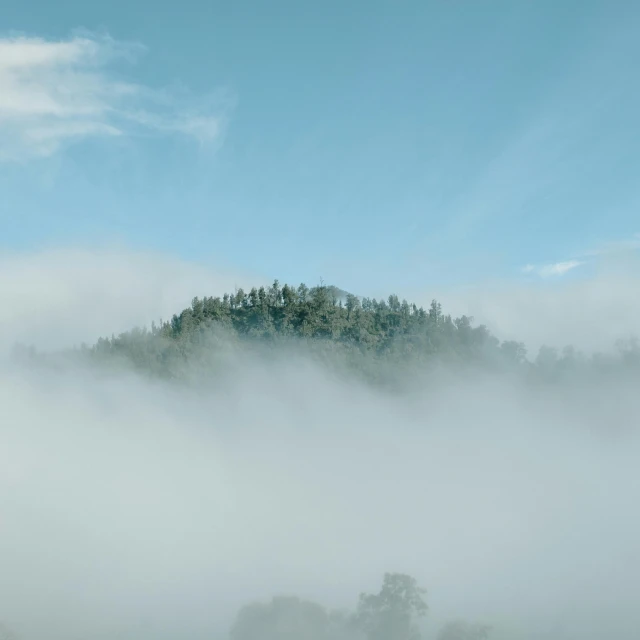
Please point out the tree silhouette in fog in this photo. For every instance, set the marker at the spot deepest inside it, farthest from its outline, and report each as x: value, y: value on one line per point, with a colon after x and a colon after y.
x: 284, y: 618
x: 6, y: 633
x: 390, y: 614
x: 393, y: 612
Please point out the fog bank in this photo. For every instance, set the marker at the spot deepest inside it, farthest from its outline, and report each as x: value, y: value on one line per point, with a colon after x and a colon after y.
x: 132, y: 508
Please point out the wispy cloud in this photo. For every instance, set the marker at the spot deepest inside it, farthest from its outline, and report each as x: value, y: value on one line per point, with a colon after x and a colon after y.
x: 55, y: 92
x: 553, y: 268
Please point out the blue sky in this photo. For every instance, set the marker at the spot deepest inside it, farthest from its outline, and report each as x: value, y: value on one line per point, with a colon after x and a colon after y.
x: 377, y: 145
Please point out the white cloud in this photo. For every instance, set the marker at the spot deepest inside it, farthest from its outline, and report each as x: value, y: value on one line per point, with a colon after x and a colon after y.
x: 58, y: 298
x: 591, y: 312
x: 54, y: 92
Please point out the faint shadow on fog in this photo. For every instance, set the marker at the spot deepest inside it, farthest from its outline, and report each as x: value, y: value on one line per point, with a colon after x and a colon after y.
x: 137, y: 509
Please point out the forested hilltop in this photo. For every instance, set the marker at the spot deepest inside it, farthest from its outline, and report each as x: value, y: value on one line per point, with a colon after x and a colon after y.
x: 379, y: 339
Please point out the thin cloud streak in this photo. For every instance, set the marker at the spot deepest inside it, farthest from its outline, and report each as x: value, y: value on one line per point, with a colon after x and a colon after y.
x: 606, y: 251
x: 55, y: 92
x: 545, y: 161
x: 553, y: 269
x: 626, y: 245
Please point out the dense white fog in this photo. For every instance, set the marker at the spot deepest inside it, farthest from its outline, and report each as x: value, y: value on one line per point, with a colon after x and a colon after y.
x: 136, y: 509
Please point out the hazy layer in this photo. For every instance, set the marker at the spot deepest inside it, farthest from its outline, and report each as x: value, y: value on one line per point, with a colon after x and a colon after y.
x: 124, y: 503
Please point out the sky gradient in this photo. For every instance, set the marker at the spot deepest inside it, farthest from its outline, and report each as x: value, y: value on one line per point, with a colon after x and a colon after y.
x: 377, y: 145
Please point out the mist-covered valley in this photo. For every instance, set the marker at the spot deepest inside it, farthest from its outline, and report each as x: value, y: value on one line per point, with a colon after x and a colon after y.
x: 251, y: 466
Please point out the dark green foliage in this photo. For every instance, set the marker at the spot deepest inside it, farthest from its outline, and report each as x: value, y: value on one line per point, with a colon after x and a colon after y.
x: 332, y: 324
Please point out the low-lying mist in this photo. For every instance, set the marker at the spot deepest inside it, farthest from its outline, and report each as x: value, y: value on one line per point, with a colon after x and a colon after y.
x: 136, y: 508
x: 139, y: 509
